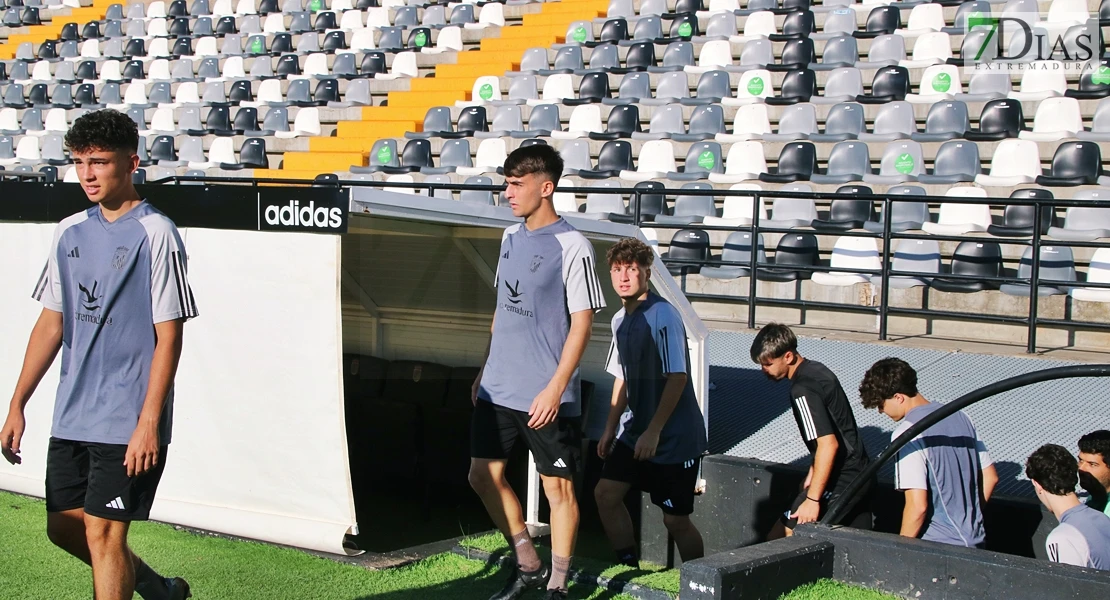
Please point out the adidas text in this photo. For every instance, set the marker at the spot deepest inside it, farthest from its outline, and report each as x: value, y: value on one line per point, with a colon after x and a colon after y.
x: 295, y: 215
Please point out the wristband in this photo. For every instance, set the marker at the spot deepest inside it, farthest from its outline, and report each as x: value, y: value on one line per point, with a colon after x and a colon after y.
x: 813, y: 500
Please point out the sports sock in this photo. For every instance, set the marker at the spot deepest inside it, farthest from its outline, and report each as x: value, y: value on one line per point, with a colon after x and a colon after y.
x: 559, y: 567
x: 148, y: 583
x: 627, y: 556
x: 525, y: 551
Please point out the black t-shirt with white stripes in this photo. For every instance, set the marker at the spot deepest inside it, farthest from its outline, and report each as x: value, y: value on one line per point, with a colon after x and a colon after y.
x: 821, y: 408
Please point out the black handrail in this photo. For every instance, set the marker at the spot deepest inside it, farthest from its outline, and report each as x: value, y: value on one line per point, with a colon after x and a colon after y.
x: 841, y: 505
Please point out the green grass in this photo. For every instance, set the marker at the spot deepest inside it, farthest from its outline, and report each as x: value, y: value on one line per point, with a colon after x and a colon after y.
x: 648, y: 575
x: 827, y: 589
x: 31, y: 568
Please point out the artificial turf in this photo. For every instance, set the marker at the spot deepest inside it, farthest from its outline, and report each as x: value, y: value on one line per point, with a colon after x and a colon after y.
x: 31, y: 568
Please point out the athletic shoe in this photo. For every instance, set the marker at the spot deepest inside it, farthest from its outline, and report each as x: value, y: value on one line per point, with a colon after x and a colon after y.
x: 555, y: 595
x: 522, y: 581
x: 177, y: 588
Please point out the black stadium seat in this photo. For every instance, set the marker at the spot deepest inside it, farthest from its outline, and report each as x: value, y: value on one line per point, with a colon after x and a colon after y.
x: 1075, y: 163
x: 794, y: 249
x: 688, y: 245
x: 973, y: 259
x: 1017, y: 219
x: 797, y: 162
x: 882, y: 20
x: 1000, y: 119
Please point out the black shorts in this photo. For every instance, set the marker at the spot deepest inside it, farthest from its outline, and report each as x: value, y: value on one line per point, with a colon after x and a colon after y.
x: 92, y: 476
x: 557, y: 447
x: 671, y: 486
x: 857, y: 517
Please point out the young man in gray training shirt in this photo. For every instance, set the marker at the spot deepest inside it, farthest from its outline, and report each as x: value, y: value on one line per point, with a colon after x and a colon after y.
x: 547, y: 294
x: 1083, y: 536
x: 945, y: 472
x: 115, y: 299
x: 662, y: 436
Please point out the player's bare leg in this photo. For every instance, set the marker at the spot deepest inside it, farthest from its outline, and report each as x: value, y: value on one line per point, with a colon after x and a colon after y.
x: 615, y: 517
x: 686, y: 536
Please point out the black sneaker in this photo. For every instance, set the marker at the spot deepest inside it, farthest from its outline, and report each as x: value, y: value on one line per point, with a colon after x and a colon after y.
x: 522, y: 581
x: 555, y: 595
x: 177, y: 588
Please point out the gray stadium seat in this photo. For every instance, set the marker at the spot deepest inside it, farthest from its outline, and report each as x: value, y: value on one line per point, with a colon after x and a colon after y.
x: 845, y: 121
x: 1057, y: 264
x: 956, y: 161
x: 917, y: 256
x: 848, y: 161
x: 737, y: 249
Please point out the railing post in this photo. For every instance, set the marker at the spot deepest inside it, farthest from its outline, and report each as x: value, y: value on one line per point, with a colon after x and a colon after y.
x: 754, y: 262
x: 1034, y: 279
x: 884, y: 293
x: 637, y: 195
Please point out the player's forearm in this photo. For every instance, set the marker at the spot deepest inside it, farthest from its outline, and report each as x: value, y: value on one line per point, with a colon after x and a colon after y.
x: 913, y: 515
x: 990, y: 479
x: 617, y: 404
x: 672, y: 393
x: 822, y: 465
x: 42, y: 347
x: 581, y: 324
x: 163, y: 369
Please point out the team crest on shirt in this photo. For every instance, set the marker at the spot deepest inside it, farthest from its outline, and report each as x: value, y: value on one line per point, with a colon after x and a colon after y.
x: 120, y: 258
x: 537, y: 260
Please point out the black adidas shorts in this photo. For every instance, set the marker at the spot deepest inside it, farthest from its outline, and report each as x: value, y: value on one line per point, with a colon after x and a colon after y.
x: 671, y: 486
x: 92, y: 476
x: 557, y: 447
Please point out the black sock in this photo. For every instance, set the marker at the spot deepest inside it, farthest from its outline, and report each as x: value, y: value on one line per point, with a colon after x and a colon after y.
x: 627, y: 556
x: 148, y: 583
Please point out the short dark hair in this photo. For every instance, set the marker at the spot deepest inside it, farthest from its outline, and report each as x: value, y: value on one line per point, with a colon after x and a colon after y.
x: 1096, y: 442
x: 630, y: 250
x: 1054, y: 468
x: 106, y: 130
x: 538, y: 158
x: 885, y: 378
x: 773, y: 341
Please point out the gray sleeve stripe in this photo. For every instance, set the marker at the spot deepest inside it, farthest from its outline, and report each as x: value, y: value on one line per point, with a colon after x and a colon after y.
x: 40, y: 287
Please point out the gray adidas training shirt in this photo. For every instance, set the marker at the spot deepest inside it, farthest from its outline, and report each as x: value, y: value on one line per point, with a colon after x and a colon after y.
x: 1082, y: 539
x: 112, y: 282
x: 543, y: 277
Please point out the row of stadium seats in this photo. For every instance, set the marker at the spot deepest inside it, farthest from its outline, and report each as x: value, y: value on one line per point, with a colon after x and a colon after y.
x: 977, y: 265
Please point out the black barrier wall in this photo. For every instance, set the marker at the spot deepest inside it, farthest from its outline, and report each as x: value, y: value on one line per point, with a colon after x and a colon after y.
x: 243, y: 207
x: 744, y: 497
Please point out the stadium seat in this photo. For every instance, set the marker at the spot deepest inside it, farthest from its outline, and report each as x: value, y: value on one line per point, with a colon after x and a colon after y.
x: 1018, y: 219
x: 915, y: 256
x: 1097, y: 272
x: 1085, y: 223
x: 737, y: 249
x: 737, y: 210
x: 956, y: 161
x: 793, y: 250
x: 601, y: 205
x: 978, y: 262
x: 882, y: 20
x: 745, y: 161
x: 841, y: 51
x: 902, y: 161
x: 847, y: 214
x: 615, y: 156
x: 894, y: 121
x: 924, y: 18
x: 1074, y: 163
x: 796, y: 162
x: 689, y: 209
x: 839, y: 22
x: 848, y: 161
x: 890, y: 84
x: 690, y: 246
x: 939, y: 82
x: 754, y: 87
x: 844, y: 121
x: 946, y: 120
x: 1056, y: 119
x: 789, y: 213
x: 850, y: 253
x: 886, y: 50
x: 796, y: 122
x: 958, y: 218
x: 656, y: 159
x: 797, y: 86
x: 841, y: 85
x: 702, y: 159
x: 1056, y: 264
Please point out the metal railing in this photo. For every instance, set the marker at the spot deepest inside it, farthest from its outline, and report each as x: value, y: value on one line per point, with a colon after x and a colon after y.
x: 635, y: 197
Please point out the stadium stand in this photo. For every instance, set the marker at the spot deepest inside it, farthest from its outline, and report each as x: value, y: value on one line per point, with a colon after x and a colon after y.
x: 745, y: 97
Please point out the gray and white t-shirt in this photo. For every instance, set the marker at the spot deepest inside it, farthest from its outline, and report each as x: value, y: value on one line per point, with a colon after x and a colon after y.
x: 945, y: 460
x: 112, y: 282
x: 1082, y: 539
x: 647, y: 346
x: 543, y: 277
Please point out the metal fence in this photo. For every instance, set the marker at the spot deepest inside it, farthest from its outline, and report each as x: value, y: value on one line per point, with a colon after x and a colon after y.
x: 883, y: 311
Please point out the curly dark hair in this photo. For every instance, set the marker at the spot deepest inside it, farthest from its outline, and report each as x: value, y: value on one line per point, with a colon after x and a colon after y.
x: 885, y: 378
x: 540, y: 158
x: 105, y: 130
x: 1054, y: 468
x: 773, y: 341
x: 1096, y: 442
x: 630, y: 251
